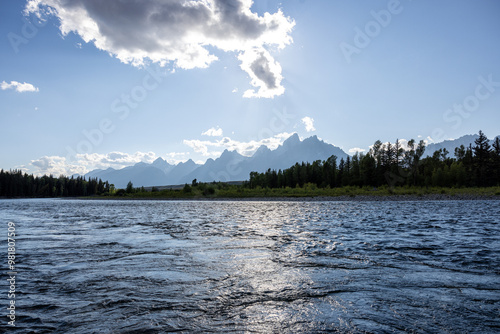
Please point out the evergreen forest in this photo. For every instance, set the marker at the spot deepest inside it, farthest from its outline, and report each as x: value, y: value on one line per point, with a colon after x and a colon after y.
x: 386, y: 165
x: 389, y: 164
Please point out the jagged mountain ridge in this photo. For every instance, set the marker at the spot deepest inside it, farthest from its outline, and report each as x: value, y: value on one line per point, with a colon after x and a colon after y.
x: 230, y: 166
x: 450, y: 145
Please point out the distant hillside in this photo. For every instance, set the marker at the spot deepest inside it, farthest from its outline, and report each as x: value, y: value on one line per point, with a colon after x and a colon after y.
x: 450, y: 145
x: 230, y: 166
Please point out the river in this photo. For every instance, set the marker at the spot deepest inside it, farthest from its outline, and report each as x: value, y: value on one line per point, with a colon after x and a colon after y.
x: 89, y: 266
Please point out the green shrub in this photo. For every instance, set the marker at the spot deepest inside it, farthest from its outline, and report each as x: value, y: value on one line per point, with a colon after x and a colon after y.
x: 120, y: 192
x: 209, y: 191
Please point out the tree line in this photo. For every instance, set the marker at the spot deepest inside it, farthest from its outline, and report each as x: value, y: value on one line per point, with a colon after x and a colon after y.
x: 390, y: 164
x: 18, y: 184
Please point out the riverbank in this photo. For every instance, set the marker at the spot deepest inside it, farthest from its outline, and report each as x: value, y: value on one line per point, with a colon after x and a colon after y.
x: 310, y: 194
x: 238, y: 193
x: 359, y: 198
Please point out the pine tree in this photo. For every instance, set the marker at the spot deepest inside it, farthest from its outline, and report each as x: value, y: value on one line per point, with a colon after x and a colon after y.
x: 496, y: 160
x: 482, y: 150
x: 460, y: 152
x: 398, y: 153
x: 496, y: 146
x: 130, y: 187
x: 330, y: 167
x: 368, y: 170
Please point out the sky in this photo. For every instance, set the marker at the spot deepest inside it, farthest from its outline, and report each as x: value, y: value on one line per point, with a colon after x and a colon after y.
x: 88, y: 84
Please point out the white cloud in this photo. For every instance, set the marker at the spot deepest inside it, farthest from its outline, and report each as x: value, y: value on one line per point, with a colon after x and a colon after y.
x: 356, y: 149
x: 264, y: 71
x: 116, y: 160
x: 84, y: 163
x: 309, y: 123
x: 205, y: 147
x: 428, y: 140
x: 403, y: 143
x: 178, y: 31
x: 213, y: 132
x: 200, y: 146
x: 54, y: 165
x: 23, y: 169
x: 18, y: 87
x: 175, y: 158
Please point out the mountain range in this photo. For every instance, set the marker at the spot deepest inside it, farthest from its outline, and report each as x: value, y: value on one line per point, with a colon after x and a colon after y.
x: 232, y: 166
x: 450, y: 145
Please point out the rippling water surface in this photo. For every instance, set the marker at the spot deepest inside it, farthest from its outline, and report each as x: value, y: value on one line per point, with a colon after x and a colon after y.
x: 264, y: 267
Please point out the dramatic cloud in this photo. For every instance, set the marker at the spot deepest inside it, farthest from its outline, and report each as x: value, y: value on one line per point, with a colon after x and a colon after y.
x: 213, y: 132
x: 205, y: 147
x: 264, y: 72
x: 18, y: 87
x: 178, y: 31
x: 309, y: 124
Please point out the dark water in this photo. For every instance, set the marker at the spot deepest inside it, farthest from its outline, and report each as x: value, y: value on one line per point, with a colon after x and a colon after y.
x: 256, y: 267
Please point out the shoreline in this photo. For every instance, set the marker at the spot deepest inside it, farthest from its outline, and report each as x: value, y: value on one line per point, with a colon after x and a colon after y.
x: 380, y: 197
x: 341, y: 198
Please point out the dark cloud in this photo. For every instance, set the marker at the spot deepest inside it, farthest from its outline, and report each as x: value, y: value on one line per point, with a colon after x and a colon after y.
x: 260, y: 67
x: 176, y: 31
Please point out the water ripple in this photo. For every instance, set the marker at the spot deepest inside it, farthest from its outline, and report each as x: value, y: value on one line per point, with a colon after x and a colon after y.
x: 262, y: 267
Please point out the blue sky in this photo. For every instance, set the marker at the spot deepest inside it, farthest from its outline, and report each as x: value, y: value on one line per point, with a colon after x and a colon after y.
x: 94, y: 85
